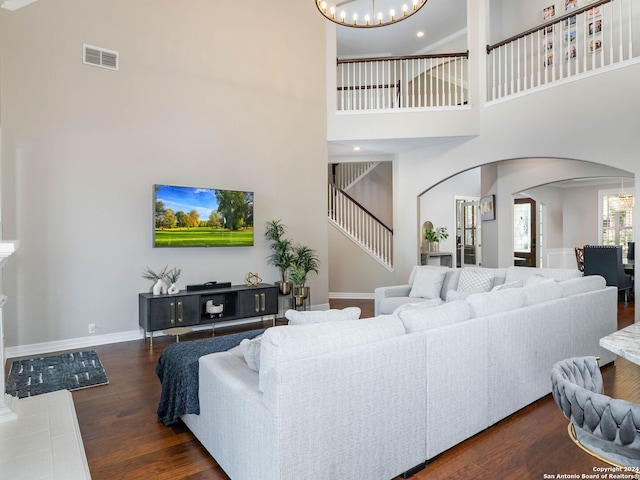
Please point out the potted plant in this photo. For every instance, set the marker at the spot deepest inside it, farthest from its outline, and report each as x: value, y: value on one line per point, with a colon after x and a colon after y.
x: 304, y: 261
x: 281, y: 253
x: 433, y: 236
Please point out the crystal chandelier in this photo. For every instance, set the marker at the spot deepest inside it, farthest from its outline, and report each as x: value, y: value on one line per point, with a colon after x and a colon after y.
x: 368, y: 13
x: 623, y: 201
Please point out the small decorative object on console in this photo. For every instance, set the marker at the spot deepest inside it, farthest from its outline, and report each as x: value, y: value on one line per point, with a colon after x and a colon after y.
x: 214, y: 310
x: 160, y: 285
x: 253, y: 279
x: 172, y: 277
x: 165, y: 281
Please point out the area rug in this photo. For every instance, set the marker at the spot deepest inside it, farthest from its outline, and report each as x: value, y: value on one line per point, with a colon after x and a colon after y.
x: 70, y: 371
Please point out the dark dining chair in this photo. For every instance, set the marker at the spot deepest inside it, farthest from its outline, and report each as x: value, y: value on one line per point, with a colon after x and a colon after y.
x: 631, y: 250
x: 580, y: 258
x: 606, y: 261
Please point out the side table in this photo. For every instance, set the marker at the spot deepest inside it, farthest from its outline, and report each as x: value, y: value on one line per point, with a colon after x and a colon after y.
x: 176, y: 332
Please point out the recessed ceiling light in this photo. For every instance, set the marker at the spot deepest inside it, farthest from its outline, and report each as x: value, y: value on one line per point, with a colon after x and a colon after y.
x: 420, y: 34
x: 356, y: 149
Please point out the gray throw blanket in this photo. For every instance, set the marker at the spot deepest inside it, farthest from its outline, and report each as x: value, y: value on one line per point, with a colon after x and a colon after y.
x: 177, y: 369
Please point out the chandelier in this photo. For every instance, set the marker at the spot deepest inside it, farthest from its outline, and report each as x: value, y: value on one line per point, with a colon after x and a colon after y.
x: 623, y: 201
x: 366, y: 13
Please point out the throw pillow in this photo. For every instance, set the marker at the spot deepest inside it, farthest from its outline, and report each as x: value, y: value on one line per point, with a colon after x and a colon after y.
x: 307, y: 317
x: 477, y: 282
x: 516, y: 284
x: 428, y: 282
x: 250, y: 348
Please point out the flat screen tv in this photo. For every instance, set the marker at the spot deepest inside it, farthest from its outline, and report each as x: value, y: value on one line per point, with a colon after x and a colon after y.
x: 202, y: 217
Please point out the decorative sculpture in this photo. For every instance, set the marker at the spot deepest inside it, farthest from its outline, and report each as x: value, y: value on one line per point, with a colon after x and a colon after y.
x: 253, y: 279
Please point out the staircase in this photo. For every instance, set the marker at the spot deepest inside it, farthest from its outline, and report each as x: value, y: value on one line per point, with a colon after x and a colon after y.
x: 347, y: 174
x: 362, y: 227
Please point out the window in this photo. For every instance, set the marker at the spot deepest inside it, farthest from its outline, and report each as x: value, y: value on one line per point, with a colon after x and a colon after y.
x: 522, y: 227
x: 617, y: 217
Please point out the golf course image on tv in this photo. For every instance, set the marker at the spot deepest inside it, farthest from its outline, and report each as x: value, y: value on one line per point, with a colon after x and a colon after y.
x: 202, y: 217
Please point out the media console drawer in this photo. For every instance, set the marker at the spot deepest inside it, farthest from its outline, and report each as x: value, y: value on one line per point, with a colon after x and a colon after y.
x: 189, y: 308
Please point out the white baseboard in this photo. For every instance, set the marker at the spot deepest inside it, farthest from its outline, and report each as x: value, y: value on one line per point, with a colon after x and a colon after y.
x: 72, y: 343
x: 93, y: 340
x: 354, y: 296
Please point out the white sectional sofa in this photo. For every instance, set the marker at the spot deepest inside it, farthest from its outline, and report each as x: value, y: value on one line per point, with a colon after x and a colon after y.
x: 388, y: 299
x: 373, y: 398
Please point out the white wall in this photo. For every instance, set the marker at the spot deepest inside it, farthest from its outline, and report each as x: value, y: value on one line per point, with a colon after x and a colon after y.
x: 353, y: 273
x: 208, y: 94
x: 438, y: 205
x: 520, y: 129
x: 375, y: 192
x: 581, y: 226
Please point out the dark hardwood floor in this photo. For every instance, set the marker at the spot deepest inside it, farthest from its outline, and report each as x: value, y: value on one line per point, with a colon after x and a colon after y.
x: 124, y: 440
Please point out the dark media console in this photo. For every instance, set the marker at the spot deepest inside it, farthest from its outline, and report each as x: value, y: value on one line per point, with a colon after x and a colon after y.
x: 188, y: 308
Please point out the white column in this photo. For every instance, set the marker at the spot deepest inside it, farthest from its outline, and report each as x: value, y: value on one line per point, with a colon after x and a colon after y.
x: 6, y: 414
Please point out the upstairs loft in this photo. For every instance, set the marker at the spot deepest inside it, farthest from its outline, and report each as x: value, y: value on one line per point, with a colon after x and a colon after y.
x: 445, y: 94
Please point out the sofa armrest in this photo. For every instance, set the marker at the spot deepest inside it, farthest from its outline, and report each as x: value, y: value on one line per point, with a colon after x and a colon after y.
x: 386, y: 292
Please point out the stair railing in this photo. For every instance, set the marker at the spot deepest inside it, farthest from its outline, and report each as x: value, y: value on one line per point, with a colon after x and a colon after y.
x: 348, y: 173
x: 361, y: 226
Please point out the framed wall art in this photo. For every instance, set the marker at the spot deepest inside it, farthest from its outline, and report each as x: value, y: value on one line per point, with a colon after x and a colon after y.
x: 549, y: 12
x: 486, y: 208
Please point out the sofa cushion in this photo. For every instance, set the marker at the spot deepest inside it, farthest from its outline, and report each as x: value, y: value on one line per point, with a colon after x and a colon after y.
x: 450, y: 282
x: 535, y: 278
x: 306, y: 317
x: 471, y: 281
x: 250, y: 348
x: 515, y: 284
x: 453, y: 295
x: 542, y: 291
x: 490, y: 303
x: 558, y: 274
x: 388, y: 305
x: 429, y: 303
x: 575, y: 286
x: 420, y: 318
x: 283, y: 344
x: 427, y: 282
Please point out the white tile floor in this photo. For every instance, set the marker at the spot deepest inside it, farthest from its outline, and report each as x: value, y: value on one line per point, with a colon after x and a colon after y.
x: 44, y: 442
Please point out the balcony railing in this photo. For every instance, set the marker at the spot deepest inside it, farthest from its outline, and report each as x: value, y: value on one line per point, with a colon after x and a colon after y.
x: 420, y: 81
x: 584, y: 40
x: 576, y: 43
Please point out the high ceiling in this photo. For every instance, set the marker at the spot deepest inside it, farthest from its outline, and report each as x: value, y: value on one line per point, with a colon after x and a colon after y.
x: 443, y: 23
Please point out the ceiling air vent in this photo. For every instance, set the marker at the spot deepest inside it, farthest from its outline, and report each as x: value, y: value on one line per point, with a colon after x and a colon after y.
x: 100, y: 57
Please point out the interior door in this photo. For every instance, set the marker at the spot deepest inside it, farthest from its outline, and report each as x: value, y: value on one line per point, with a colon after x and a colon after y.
x: 467, y: 233
x: 524, y: 232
